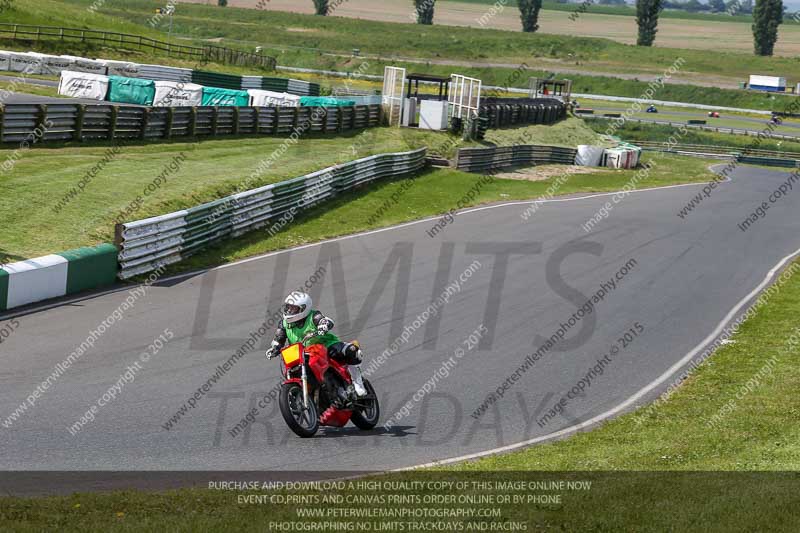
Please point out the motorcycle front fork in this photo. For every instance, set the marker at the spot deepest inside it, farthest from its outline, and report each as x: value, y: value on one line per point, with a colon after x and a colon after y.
x: 304, y: 377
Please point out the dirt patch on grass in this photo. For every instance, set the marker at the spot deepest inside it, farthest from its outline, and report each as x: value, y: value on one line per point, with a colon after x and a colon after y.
x: 544, y: 172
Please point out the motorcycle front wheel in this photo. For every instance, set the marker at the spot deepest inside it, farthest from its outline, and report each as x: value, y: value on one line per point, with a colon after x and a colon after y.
x: 304, y: 422
x: 367, y: 411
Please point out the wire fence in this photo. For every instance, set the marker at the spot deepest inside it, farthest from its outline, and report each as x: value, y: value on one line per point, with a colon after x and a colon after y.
x: 216, y: 54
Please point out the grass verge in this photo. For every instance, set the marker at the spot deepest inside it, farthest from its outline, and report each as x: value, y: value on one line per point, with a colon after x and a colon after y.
x: 207, y: 170
x: 635, y: 131
x: 431, y: 193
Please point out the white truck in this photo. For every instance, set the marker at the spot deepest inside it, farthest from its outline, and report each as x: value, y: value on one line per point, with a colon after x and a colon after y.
x: 767, y: 83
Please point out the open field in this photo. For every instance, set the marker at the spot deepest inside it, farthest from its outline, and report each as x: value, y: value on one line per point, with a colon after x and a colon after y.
x: 627, y: 11
x: 701, y: 34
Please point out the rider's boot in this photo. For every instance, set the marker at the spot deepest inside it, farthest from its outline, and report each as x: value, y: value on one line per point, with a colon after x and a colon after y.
x: 358, y: 380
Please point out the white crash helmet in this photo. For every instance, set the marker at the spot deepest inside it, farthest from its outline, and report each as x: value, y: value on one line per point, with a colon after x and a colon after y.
x: 296, y: 306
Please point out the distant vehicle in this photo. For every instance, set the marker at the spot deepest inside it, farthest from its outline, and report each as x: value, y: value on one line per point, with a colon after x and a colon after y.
x: 575, y: 104
x: 713, y: 114
x: 775, y: 119
x: 652, y: 109
x: 772, y: 84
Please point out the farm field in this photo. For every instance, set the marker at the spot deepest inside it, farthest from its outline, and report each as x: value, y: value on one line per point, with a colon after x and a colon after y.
x: 699, y: 34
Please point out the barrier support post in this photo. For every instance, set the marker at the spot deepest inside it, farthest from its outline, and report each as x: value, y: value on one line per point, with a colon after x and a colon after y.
x: 112, y: 126
x: 214, y: 120
x: 81, y: 113
x: 170, y: 122
x: 145, y: 123
x: 192, y: 127
x: 118, y: 239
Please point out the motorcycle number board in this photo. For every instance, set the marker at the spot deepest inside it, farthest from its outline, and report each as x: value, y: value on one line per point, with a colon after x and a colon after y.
x: 291, y: 354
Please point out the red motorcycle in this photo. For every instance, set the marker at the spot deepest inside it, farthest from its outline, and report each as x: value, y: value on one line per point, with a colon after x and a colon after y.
x: 313, y: 384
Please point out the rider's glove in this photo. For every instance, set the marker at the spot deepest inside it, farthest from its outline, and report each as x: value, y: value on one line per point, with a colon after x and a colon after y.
x: 272, y: 352
x: 322, y: 329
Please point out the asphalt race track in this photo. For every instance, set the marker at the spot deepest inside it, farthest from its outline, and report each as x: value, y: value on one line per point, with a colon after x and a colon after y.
x: 687, y: 278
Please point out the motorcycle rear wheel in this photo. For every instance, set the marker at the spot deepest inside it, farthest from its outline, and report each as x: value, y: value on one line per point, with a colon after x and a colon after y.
x: 367, y: 418
x: 304, y: 422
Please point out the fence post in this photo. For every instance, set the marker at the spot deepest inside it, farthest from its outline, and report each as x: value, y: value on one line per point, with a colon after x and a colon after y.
x: 170, y: 121
x: 257, y: 118
x: 81, y: 109
x: 41, y: 119
x: 2, y: 120
x: 296, y: 118
x: 339, y: 119
x: 237, y: 116
x: 112, y: 129
x: 145, y: 123
x: 214, y: 120
x: 276, y: 117
x: 118, y: 238
x: 192, y: 122
x: 325, y: 120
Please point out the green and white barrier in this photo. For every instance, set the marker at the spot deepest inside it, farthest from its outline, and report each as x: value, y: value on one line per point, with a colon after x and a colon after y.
x: 51, y: 276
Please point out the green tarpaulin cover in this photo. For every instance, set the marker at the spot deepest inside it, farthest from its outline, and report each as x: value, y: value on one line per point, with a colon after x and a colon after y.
x: 324, y: 101
x: 131, y: 90
x: 216, y: 96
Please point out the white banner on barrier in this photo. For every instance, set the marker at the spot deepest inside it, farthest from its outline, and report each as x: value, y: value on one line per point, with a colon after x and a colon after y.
x: 175, y: 94
x: 262, y: 98
x: 92, y: 66
x: 121, y: 68
x: 26, y: 63
x: 83, y: 85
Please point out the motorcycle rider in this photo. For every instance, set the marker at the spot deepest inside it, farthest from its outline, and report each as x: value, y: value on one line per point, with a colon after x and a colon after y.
x: 299, y: 319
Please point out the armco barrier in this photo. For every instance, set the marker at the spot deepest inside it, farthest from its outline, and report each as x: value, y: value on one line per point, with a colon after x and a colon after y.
x: 55, y: 275
x: 742, y: 154
x: 146, y: 245
x: 769, y: 161
x: 498, y: 157
x: 78, y: 122
x: 659, y: 146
